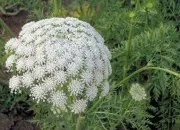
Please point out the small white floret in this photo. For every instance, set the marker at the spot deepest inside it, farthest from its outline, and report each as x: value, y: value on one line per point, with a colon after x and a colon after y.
x: 87, y: 77
x: 27, y: 79
x: 10, y: 61
x: 91, y: 92
x: 59, y: 99
x: 79, y: 106
x: 76, y: 87
x: 38, y: 93
x: 20, y: 65
x: 15, y: 84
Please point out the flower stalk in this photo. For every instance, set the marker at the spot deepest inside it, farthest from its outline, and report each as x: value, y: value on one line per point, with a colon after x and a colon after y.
x: 128, y: 49
x: 132, y: 15
x: 95, y: 105
x: 147, y: 19
x: 57, y: 7
x: 148, y: 68
x: 80, y: 122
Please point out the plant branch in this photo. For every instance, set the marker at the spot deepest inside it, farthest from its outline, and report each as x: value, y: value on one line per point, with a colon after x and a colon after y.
x: 95, y: 105
x: 80, y: 122
x: 57, y: 7
x: 128, y: 49
x: 148, y: 68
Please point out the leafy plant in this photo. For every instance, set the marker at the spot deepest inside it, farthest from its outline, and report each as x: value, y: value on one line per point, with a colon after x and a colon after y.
x: 155, y: 43
x: 144, y: 40
x: 18, y: 104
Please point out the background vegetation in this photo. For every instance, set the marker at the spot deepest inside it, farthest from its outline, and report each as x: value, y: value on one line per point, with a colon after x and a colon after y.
x: 139, y: 33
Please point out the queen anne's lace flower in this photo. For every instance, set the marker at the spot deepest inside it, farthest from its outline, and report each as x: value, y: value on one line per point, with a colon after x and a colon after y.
x: 137, y: 92
x: 62, y: 61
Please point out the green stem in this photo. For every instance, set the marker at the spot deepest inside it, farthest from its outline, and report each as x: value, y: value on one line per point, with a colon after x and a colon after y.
x: 137, y: 5
x: 148, y: 68
x: 126, y: 109
x: 61, y: 9
x: 128, y: 49
x: 8, y: 30
x: 128, y: 44
x: 95, y: 105
x: 147, y: 19
x: 2, y: 39
x: 57, y: 7
x: 80, y: 122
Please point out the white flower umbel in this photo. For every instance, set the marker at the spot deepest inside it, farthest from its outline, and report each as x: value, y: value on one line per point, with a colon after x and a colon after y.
x: 137, y: 92
x: 76, y: 87
x: 10, y: 61
x: 15, y: 83
x: 91, y: 92
x: 59, y: 99
x: 79, y: 106
x: 62, y: 61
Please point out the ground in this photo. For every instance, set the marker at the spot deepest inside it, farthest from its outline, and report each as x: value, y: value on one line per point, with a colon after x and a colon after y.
x: 16, y: 22
x: 11, y: 122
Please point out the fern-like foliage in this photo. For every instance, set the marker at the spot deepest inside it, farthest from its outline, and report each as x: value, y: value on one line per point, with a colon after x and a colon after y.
x: 159, y: 47
x: 116, y: 111
x: 156, y: 41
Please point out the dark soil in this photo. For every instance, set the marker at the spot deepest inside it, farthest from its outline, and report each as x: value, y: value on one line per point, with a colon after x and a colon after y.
x: 5, y: 122
x: 16, y: 22
x: 11, y: 122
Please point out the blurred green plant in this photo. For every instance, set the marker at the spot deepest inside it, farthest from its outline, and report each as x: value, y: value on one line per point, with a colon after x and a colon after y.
x: 11, y: 7
x: 83, y: 10
x: 7, y: 30
x: 155, y: 42
x: 18, y: 104
x: 39, y: 9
